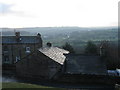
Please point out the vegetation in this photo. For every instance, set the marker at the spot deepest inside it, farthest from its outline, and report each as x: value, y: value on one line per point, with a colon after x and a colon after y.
x: 20, y: 85
x: 15, y: 85
x: 91, y: 48
x: 24, y: 85
x: 68, y: 47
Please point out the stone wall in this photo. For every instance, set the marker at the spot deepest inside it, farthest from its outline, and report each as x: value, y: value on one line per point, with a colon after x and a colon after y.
x: 17, y: 50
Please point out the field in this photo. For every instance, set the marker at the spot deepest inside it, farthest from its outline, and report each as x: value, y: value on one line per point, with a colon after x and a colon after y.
x: 14, y: 85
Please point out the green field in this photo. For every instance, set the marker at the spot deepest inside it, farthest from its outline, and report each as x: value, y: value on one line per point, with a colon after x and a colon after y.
x: 24, y: 85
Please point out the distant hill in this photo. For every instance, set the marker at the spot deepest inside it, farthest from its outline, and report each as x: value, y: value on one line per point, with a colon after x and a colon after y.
x: 76, y: 36
x: 56, y: 30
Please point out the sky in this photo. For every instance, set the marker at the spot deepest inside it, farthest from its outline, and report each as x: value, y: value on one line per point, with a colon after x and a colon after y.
x: 58, y: 13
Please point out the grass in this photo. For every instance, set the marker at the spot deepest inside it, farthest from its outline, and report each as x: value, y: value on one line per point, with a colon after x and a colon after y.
x: 6, y: 85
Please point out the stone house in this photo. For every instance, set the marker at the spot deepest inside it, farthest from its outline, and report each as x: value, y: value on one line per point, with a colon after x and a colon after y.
x: 44, y: 63
x: 16, y: 47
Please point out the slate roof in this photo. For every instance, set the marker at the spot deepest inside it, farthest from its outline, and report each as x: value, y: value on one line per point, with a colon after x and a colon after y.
x: 77, y: 64
x: 55, y: 53
x: 24, y: 39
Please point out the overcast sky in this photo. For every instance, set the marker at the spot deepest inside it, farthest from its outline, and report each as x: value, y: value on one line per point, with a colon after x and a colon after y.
x: 50, y: 13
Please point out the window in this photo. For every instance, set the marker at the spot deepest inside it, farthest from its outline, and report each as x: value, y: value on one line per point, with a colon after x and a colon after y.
x: 5, y: 48
x: 17, y: 58
x: 27, y: 49
x: 6, y: 59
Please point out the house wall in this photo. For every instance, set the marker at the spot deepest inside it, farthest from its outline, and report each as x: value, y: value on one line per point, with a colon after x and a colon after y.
x: 16, y: 50
x: 37, y: 65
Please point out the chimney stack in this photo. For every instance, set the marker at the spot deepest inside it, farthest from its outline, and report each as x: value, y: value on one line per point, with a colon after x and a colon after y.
x: 38, y: 35
x: 18, y: 38
x: 39, y: 39
x: 49, y: 44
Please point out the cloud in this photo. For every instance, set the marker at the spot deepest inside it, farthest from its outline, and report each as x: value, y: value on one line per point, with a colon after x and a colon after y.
x: 5, y: 8
x: 83, y: 13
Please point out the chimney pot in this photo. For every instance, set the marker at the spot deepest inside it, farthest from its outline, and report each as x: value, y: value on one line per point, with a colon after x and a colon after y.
x: 49, y: 44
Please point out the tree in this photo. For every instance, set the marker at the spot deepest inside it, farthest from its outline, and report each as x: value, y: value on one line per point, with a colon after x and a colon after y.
x: 68, y: 47
x: 91, y: 48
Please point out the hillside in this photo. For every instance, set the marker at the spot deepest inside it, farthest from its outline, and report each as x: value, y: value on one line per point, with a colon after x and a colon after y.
x: 76, y: 36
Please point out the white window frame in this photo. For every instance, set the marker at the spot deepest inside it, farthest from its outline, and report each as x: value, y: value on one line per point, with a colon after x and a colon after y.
x: 6, y: 60
x: 27, y: 49
x: 17, y: 58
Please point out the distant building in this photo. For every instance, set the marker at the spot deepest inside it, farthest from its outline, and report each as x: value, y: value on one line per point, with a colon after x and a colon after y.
x: 16, y: 47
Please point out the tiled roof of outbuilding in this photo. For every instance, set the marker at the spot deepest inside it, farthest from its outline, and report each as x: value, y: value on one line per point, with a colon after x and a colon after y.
x: 80, y: 64
x: 55, y: 53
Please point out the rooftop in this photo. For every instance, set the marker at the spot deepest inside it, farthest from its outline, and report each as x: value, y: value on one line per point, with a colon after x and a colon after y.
x: 24, y: 39
x: 77, y: 64
x: 55, y: 53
